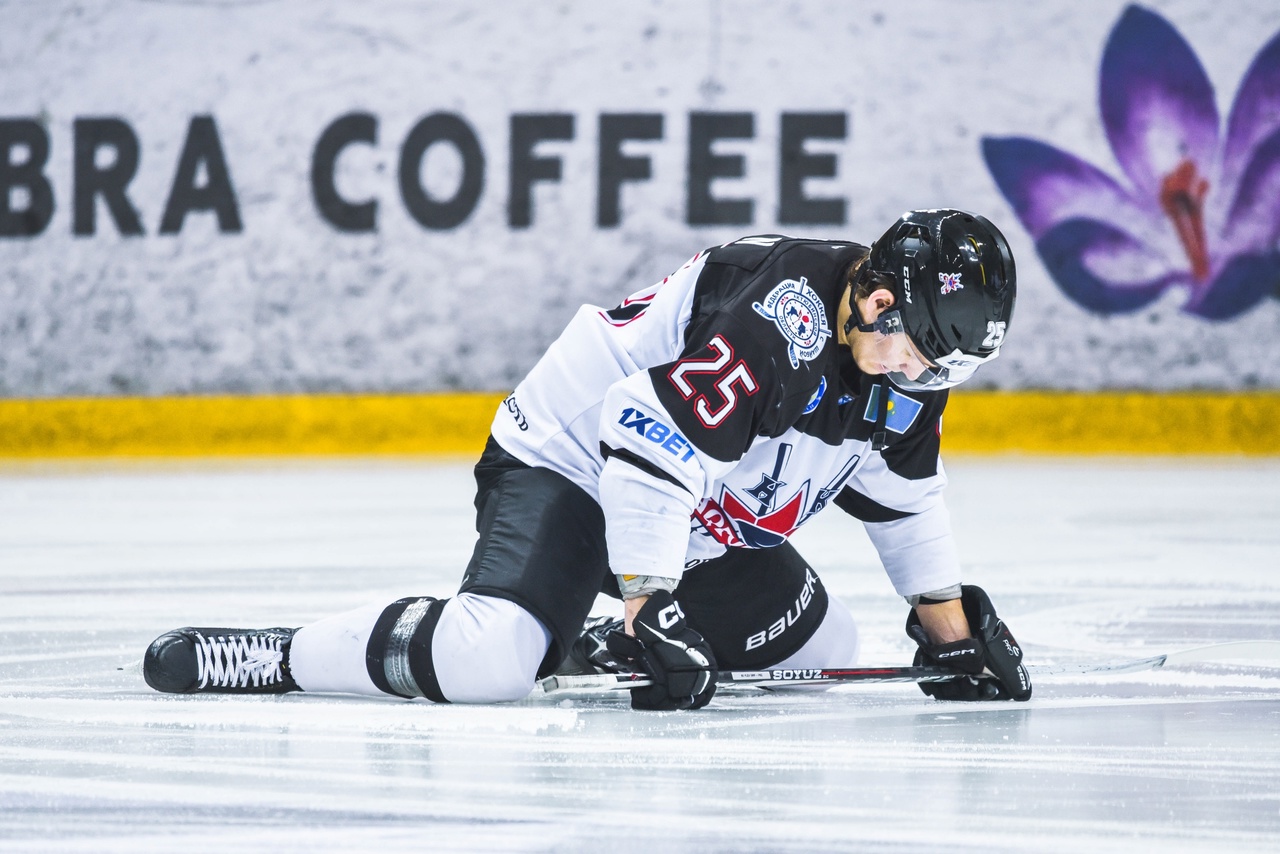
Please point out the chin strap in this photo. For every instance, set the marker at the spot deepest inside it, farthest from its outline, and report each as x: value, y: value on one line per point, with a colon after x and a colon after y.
x: 879, y: 438
x: 854, y: 320
x: 855, y: 316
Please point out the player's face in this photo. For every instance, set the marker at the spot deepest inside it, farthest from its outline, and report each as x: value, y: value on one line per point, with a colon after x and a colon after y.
x: 889, y: 354
x: 885, y: 349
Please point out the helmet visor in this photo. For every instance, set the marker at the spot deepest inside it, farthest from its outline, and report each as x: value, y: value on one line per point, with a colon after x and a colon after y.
x: 932, y: 378
x: 907, y: 367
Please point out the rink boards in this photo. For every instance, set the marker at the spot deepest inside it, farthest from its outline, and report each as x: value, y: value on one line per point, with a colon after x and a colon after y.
x: 444, y: 424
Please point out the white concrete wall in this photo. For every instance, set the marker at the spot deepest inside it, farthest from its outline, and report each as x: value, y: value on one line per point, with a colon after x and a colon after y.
x: 288, y: 302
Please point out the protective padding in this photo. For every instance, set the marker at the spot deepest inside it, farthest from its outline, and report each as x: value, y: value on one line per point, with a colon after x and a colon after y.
x: 487, y: 650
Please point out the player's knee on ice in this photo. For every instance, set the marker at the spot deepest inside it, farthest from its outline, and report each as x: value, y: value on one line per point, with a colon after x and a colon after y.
x: 487, y: 650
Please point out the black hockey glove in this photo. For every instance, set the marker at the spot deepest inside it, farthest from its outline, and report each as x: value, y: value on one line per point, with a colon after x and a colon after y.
x: 992, y: 657
x: 674, y: 655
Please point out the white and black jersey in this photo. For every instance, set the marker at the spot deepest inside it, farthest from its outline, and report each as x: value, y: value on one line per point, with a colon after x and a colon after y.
x: 716, y: 410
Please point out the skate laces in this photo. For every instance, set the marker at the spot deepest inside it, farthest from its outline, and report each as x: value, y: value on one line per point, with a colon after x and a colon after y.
x: 236, y: 661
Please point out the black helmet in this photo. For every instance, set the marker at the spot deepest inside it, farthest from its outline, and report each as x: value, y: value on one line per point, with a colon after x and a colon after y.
x: 954, y: 284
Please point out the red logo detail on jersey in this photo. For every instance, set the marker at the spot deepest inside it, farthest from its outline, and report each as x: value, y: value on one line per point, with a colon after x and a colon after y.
x: 717, y: 523
x: 768, y: 529
x: 732, y: 523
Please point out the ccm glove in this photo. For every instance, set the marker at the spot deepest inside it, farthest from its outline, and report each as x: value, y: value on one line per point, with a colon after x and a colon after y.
x: 674, y: 655
x: 991, y: 658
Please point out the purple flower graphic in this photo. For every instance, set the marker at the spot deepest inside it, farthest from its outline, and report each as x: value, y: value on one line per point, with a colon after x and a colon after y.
x: 1197, y: 210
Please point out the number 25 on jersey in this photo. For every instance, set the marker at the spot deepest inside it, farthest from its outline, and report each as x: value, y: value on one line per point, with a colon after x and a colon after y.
x: 730, y: 377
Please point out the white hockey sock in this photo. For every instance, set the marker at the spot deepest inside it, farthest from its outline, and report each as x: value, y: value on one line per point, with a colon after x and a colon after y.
x: 329, y: 656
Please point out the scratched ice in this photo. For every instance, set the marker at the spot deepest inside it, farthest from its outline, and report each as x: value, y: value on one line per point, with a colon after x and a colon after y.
x: 1088, y: 561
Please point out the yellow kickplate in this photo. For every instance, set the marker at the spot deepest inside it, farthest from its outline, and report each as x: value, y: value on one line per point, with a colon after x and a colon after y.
x: 1112, y: 423
x: 247, y: 426
x: 457, y: 423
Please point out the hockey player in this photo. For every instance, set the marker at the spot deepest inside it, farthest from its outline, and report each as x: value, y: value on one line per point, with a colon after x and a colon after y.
x: 663, y: 451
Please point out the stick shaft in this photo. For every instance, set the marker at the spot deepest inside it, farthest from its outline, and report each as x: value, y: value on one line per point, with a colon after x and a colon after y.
x: 1256, y: 650
x: 762, y: 678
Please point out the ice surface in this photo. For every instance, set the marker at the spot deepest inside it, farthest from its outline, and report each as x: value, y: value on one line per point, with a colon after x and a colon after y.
x: 1087, y: 561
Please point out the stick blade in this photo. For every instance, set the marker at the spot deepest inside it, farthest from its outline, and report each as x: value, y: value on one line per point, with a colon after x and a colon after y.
x: 1218, y: 652
x: 1234, y: 651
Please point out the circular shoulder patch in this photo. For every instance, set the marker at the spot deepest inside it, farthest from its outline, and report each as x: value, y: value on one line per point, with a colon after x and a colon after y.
x: 798, y: 312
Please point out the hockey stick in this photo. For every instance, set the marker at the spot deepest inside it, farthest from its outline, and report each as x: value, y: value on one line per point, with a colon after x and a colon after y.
x: 756, y: 678
x: 604, y: 682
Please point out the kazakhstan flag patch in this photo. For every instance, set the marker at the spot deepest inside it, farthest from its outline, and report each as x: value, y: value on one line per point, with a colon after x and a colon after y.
x: 902, y: 410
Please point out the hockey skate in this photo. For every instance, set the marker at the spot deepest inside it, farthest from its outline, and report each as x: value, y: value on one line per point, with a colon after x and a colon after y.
x: 227, y: 661
x: 589, y: 653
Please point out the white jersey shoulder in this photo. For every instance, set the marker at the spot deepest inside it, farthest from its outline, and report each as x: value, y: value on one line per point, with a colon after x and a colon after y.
x: 552, y: 419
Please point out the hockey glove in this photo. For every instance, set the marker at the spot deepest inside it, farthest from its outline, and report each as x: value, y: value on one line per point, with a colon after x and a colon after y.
x: 675, y: 656
x: 991, y: 658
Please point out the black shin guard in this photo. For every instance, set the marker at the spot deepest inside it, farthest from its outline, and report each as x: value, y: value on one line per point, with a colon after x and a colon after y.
x: 398, y: 655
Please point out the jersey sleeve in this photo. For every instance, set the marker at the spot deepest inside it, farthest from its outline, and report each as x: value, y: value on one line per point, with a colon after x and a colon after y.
x: 653, y: 477
x: 918, y: 551
x: 898, y: 496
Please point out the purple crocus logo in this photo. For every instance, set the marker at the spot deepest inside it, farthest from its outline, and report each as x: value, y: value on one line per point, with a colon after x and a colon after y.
x: 1197, y: 210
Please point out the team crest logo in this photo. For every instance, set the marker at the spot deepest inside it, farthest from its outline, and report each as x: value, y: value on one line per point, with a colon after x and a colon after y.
x: 800, y: 317
x: 950, y: 283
